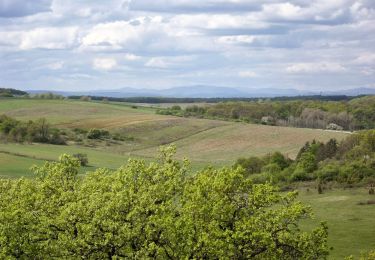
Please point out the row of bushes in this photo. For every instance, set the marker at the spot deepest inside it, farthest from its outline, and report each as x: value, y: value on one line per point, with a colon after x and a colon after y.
x: 40, y: 131
x: 32, y: 131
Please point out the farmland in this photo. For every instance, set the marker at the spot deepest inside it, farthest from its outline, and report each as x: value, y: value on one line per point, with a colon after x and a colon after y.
x: 203, y: 141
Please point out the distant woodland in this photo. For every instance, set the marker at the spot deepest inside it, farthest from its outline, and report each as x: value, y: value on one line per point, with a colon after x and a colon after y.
x: 354, y: 114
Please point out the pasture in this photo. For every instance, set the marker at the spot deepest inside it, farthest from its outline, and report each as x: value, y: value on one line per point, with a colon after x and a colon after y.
x: 350, y: 225
x: 203, y: 141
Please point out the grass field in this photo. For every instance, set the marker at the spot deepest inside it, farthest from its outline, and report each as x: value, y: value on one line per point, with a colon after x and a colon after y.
x: 16, y: 166
x: 202, y: 141
x: 351, y: 226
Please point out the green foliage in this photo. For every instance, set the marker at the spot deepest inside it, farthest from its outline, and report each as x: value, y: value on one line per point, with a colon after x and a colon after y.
x: 151, y: 211
x: 251, y: 165
x: 97, y: 134
x: 350, y: 162
x: 335, y: 115
x: 31, y: 131
x: 48, y: 95
x: 82, y: 158
x: 10, y: 92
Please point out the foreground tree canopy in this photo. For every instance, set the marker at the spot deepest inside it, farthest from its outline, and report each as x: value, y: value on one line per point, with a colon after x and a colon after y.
x: 147, y: 211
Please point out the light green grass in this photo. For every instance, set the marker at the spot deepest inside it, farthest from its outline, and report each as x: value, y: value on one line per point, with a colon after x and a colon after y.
x: 14, y: 166
x: 96, y: 158
x: 351, y: 226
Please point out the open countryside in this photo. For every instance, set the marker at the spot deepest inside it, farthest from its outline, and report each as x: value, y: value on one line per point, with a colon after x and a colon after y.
x: 175, y: 129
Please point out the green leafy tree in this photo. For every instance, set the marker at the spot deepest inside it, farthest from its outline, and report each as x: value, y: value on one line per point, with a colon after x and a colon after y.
x: 151, y: 211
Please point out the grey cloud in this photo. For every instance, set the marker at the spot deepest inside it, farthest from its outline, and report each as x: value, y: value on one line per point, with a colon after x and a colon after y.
x: 19, y: 8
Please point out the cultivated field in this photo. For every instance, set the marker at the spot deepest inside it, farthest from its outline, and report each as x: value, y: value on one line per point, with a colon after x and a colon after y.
x: 202, y: 141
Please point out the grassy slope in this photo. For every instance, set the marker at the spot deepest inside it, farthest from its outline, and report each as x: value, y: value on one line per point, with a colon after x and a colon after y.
x: 203, y: 141
x: 15, y: 166
x: 351, y: 226
x: 223, y: 144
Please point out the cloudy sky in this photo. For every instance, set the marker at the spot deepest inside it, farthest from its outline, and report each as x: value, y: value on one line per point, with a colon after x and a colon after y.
x: 97, y: 44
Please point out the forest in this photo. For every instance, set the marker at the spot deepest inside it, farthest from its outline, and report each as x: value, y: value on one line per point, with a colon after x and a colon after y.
x: 354, y: 114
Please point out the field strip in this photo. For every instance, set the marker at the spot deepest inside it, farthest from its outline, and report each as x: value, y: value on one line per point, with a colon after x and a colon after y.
x: 110, y: 123
x: 179, y: 139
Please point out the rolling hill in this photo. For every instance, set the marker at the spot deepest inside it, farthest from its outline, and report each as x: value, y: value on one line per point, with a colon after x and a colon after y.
x: 203, y: 141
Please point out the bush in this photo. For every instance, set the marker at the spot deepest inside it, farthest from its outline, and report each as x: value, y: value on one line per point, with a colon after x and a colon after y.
x: 97, y: 134
x: 251, y: 165
x: 82, y: 158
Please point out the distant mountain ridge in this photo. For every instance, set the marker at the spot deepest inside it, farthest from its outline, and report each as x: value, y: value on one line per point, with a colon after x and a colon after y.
x: 202, y: 91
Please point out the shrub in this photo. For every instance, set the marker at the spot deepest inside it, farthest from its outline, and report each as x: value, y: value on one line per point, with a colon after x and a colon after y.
x: 82, y: 158
x: 97, y: 134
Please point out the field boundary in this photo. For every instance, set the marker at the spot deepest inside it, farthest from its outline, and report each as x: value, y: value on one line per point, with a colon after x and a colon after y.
x: 26, y: 156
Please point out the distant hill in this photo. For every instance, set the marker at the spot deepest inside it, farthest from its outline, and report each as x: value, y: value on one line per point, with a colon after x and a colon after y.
x: 203, y: 91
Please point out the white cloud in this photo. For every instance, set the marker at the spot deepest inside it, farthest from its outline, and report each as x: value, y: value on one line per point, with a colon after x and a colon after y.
x: 283, y: 10
x: 365, y: 59
x: 157, y: 62
x: 48, y: 38
x: 217, y: 21
x: 41, y: 38
x: 56, y: 65
x: 104, y: 63
x: 89, y: 9
x: 247, y: 74
x: 237, y: 39
x: 131, y: 57
x: 167, y: 62
x: 124, y: 33
x: 323, y: 67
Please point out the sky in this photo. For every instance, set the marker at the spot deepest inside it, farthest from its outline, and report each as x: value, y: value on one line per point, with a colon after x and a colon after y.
x: 157, y: 44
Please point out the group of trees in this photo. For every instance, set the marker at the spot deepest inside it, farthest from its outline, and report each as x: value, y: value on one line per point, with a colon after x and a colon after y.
x: 348, y: 162
x: 11, y: 92
x: 151, y: 211
x: 32, y: 131
x: 40, y: 131
x: 48, y: 95
x: 358, y: 113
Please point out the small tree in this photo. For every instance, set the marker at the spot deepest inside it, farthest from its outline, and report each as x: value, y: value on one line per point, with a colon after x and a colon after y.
x: 82, y: 158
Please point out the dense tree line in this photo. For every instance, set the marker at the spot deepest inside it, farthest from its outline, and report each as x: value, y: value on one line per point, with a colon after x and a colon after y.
x: 151, y: 211
x: 349, y: 162
x: 11, y: 92
x: 48, y: 95
x: 358, y: 113
x: 31, y: 131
